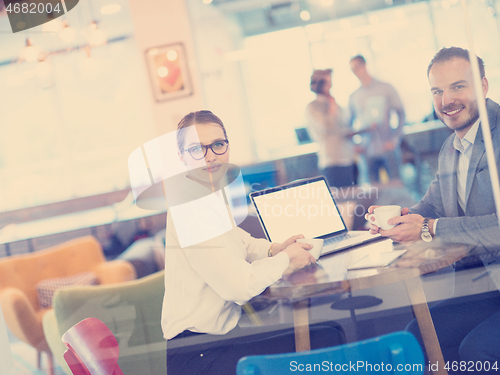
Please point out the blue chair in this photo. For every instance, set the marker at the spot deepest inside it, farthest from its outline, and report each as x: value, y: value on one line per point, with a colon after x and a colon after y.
x: 397, y: 352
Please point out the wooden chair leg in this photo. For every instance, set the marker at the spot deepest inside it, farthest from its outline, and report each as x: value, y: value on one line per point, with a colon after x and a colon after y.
x: 50, y: 363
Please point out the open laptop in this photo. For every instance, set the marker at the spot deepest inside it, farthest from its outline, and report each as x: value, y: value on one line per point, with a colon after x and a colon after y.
x: 306, y: 207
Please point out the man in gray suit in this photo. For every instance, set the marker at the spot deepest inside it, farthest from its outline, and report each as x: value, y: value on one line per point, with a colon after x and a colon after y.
x: 459, y: 207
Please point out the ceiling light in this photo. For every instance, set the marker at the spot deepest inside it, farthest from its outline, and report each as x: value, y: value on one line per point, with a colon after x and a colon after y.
x: 305, y: 15
x: 53, y: 26
x: 30, y: 53
x: 96, y: 36
x: 67, y: 34
x: 110, y: 9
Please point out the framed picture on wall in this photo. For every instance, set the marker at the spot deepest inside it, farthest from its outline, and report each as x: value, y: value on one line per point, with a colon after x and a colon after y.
x: 168, y: 71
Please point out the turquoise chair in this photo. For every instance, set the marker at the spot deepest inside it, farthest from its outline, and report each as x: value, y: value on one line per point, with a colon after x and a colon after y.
x: 395, y: 353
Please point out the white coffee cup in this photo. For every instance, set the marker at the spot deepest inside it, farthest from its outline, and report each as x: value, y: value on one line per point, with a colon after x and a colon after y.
x: 317, y: 244
x: 382, y: 214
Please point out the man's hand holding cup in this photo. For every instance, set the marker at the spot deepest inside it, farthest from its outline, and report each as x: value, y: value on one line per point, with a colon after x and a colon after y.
x: 395, y: 222
x: 380, y: 217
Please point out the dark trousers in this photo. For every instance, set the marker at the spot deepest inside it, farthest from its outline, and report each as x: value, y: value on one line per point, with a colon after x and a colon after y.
x: 220, y: 357
x: 338, y: 176
x: 390, y: 161
x: 468, y: 329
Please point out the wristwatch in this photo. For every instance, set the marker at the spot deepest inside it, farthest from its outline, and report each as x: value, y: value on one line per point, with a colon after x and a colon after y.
x: 425, y: 234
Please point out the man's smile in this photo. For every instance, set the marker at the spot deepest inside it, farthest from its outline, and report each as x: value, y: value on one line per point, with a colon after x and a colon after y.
x: 453, y: 112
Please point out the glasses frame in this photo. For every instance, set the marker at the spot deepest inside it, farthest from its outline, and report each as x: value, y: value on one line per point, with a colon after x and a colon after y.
x: 210, y: 146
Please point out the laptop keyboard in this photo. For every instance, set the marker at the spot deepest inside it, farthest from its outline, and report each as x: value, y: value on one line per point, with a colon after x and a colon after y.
x: 332, y: 240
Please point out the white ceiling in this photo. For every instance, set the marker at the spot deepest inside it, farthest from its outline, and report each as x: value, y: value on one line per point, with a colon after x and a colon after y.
x: 254, y: 16
x: 114, y: 25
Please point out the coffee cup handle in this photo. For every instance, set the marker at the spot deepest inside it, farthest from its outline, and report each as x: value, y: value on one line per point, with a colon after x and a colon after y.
x: 371, y: 218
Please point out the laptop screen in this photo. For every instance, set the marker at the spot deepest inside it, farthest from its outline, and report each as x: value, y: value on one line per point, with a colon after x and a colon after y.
x: 304, y: 207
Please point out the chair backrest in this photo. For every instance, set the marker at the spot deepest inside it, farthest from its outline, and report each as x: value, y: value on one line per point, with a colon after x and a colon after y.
x: 131, y: 310
x: 92, y: 349
x: 24, y: 271
x: 397, y: 352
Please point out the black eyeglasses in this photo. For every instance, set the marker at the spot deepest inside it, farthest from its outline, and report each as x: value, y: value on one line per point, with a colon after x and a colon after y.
x: 200, y: 151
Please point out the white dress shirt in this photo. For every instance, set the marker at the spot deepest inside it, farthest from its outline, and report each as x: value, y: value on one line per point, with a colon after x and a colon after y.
x: 206, y: 283
x: 464, y: 147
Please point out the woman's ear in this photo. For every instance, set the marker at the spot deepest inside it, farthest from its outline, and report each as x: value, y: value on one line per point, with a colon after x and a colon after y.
x: 181, y: 158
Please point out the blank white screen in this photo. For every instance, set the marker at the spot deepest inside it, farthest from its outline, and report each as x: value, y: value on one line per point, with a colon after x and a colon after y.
x: 306, y: 209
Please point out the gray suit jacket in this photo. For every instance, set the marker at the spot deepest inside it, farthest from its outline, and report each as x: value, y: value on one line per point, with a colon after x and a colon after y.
x: 479, y: 226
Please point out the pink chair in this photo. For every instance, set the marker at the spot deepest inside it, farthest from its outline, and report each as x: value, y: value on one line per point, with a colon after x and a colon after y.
x: 92, y: 349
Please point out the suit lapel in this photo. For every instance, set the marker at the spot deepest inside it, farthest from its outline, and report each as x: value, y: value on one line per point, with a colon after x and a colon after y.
x: 479, y: 149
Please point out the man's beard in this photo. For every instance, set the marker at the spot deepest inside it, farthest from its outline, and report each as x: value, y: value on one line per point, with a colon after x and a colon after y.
x: 474, y: 115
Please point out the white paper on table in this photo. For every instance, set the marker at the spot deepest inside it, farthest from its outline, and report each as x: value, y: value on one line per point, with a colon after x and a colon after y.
x: 377, y: 260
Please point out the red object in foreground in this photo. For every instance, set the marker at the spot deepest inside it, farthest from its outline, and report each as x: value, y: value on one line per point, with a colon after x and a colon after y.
x: 92, y: 349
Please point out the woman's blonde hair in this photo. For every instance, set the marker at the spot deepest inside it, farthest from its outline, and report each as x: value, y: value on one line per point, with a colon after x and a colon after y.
x: 198, y: 117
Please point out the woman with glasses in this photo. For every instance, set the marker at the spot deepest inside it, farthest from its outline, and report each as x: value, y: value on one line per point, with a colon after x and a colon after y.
x: 207, y: 282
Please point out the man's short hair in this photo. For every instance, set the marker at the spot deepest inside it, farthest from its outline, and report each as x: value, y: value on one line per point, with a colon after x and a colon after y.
x: 446, y: 54
x: 359, y: 58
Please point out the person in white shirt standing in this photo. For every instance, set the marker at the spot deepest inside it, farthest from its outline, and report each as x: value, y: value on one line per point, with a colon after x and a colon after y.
x: 331, y: 131
x: 208, y: 280
x: 372, y: 105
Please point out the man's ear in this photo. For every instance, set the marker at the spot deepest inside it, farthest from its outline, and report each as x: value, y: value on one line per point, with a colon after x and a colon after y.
x: 485, y: 86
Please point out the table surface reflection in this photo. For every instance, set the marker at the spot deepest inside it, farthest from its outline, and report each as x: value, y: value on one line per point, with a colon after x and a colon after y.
x: 330, y: 274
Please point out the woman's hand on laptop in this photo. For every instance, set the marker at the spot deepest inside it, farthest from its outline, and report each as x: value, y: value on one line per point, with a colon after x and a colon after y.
x: 299, y: 256
x: 279, y: 247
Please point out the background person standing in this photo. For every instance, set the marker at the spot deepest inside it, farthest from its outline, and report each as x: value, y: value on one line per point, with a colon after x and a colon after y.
x: 372, y: 105
x: 331, y: 131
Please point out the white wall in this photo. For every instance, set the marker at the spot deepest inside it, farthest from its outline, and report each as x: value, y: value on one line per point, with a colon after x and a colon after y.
x: 158, y: 23
x: 218, y: 41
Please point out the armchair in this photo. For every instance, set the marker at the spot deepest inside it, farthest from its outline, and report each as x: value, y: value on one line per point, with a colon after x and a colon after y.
x: 19, y: 275
x: 131, y: 310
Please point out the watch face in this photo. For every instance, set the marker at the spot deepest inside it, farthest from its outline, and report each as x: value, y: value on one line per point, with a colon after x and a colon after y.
x: 426, y: 236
